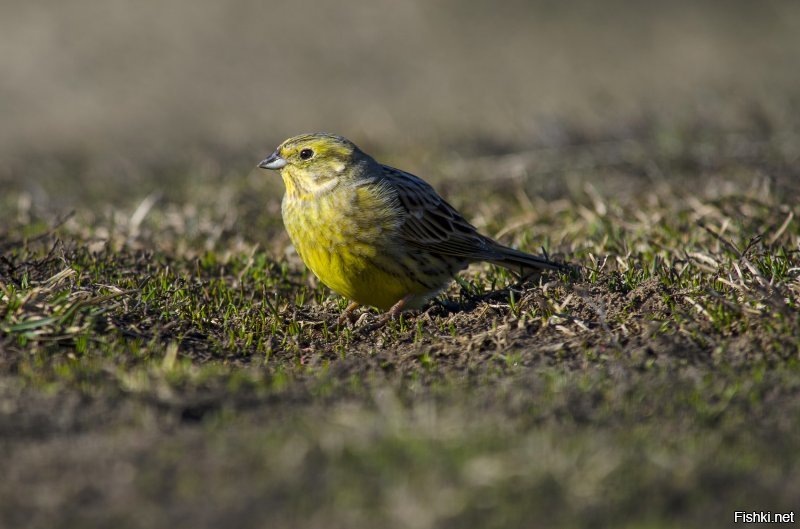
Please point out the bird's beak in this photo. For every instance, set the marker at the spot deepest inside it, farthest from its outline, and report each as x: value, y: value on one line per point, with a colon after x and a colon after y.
x: 273, y: 161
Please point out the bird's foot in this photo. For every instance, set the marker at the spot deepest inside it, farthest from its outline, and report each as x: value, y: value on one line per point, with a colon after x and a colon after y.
x: 348, y: 316
x: 390, y: 315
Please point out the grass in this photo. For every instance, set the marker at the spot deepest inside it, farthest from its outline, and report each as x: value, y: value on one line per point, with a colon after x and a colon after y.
x: 168, y: 359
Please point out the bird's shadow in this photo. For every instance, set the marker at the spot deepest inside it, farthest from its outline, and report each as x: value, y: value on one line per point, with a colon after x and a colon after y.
x: 468, y: 301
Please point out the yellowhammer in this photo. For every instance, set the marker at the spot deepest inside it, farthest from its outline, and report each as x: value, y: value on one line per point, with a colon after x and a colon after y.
x: 375, y: 234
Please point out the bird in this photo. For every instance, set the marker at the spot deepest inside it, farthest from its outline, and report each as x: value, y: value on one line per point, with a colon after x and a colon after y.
x: 374, y: 234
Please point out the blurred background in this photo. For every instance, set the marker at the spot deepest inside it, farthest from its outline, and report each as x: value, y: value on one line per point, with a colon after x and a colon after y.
x: 125, y: 79
x: 109, y: 105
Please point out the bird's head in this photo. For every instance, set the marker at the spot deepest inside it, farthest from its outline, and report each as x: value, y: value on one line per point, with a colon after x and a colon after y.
x: 315, y: 163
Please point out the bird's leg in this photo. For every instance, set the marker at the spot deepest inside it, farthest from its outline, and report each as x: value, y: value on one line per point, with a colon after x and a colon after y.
x: 391, y: 314
x: 397, y: 308
x: 348, y: 315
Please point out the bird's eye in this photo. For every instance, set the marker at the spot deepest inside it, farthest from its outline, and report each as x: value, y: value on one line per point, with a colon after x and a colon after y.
x: 305, y: 154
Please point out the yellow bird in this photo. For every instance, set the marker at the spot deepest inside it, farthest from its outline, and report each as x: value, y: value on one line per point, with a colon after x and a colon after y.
x: 374, y: 234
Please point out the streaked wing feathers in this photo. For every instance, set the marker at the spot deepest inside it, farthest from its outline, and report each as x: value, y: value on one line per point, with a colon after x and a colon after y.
x: 433, y: 224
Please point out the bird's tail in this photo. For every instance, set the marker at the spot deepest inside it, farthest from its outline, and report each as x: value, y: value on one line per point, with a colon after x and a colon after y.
x: 518, y: 261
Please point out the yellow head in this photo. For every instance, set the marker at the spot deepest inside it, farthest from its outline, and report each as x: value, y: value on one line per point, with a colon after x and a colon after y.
x: 315, y: 163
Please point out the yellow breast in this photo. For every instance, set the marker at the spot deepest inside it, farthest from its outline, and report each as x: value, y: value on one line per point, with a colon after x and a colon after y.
x: 346, y: 238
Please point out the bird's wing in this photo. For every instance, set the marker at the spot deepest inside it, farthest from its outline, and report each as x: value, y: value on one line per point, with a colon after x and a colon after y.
x: 431, y: 223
